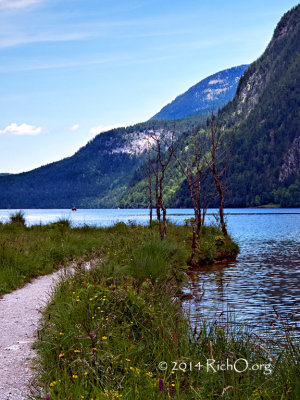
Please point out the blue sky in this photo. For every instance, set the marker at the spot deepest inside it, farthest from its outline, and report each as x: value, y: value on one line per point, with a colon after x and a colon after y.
x: 71, y: 68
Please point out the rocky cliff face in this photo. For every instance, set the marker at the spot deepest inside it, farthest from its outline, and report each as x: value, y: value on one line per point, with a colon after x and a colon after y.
x: 272, y: 65
x: 209, y: 94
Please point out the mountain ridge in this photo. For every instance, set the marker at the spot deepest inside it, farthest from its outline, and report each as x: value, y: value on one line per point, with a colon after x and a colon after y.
x: 210, y: 93
x: 265, y: 112
x: 265, y: 115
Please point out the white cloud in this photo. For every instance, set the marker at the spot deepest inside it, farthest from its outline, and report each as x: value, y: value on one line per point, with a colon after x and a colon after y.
x: 74, y: 127
x: 12, y: 4
x: 103, y: 128
x: 20, y: 130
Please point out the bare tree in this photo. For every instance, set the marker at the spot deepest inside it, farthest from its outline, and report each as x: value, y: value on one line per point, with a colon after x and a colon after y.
x: 150, y: 183
x: 220, y: 145
x: 196, y: 171
x: 164, y: 151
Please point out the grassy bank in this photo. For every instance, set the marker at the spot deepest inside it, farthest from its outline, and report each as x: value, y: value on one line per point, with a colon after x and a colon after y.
x: 28, y: 252
x: 107, y: 330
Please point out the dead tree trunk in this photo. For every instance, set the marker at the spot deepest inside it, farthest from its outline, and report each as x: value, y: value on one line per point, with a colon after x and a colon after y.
x: 220, y: 151
x: 162, y: 161
x: 196, y: 172
x: 150, y: 185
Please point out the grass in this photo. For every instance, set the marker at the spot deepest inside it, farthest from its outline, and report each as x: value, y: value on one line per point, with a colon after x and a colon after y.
x: 28, y: 252
x: 106, y: 330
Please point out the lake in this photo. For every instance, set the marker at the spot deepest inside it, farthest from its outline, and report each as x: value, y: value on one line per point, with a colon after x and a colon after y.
x: 262, y: 286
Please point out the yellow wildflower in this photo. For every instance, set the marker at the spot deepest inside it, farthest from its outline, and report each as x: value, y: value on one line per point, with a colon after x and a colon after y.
x: 104, y: 337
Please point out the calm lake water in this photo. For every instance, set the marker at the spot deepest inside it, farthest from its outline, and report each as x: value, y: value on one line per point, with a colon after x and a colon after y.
x: 263, y: 283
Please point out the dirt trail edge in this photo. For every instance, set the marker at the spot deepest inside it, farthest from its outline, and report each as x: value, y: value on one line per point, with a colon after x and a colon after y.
x: 20, y: 312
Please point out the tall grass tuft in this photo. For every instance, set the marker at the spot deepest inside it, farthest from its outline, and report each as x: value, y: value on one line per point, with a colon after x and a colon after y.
x: 18, y: 218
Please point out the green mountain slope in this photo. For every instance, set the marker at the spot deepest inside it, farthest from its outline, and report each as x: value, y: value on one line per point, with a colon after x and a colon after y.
x: 266, y: 109
x: 265, y: 114
x: 96, y: 176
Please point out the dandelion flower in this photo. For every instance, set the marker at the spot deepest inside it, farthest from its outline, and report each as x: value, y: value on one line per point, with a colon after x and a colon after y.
x: 104, y: 337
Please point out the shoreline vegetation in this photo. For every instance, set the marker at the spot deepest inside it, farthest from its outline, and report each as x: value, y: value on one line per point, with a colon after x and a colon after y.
x: 106, y: 330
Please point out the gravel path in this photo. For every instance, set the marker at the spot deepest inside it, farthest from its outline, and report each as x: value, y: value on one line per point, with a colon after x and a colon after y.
x: 20, y: 312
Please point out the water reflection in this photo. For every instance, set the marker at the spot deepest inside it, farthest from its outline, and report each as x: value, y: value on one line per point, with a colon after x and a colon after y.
x: 261, y: 288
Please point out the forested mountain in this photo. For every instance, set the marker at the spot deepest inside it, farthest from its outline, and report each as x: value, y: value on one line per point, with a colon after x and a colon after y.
x: 94, y: 177
x: 264, y: 114
x: 209, y: 94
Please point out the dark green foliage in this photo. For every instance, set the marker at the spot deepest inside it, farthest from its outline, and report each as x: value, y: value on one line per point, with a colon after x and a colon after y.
x: 17, y: 218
